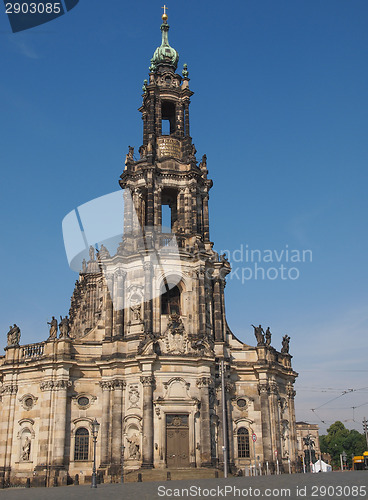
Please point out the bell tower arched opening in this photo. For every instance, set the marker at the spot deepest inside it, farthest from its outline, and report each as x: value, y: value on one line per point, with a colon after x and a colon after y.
x: 168, y: 118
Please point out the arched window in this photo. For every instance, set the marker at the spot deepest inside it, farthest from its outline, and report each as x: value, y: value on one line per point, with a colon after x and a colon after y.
x: 170, y: 301
x: 81, y: 444
x: 243, y: 443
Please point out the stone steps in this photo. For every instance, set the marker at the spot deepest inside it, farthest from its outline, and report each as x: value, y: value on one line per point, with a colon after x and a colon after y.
x: 176, y: 474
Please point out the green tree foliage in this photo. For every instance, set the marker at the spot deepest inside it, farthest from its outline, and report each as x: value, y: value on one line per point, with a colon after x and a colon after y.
x: 339, y: 439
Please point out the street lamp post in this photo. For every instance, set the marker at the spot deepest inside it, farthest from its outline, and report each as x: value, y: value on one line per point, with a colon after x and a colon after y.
x: 95, y: 427
x: 308, y: 441
x: 122, y: 464
x: 343, y: 455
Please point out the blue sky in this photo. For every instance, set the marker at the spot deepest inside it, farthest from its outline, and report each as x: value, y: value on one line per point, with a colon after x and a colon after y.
x: 280, y: 109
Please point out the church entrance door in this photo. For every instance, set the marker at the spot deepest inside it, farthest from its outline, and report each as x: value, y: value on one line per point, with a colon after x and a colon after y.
x: 177, y: 441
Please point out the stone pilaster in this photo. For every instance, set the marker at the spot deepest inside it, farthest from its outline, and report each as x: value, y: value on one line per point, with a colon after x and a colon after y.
x: 109, y: 306
x: 263, y: 390
x: 105, y: 432
x: 8, y: 395
x: 193, y: 196
x: 206, y: 223
x: 204, y: 383
x: 60, y: 397
x: 201, y: 301
x: 157, y: 219
x: 117, y: 404
x: 119, y: 303
x: 149, y: 205
x: 148, y: 382
x: 217, y: 312
x: 292, y: 424
x: 147, y: 297
x: 186, y: 118
x: 274, y: 417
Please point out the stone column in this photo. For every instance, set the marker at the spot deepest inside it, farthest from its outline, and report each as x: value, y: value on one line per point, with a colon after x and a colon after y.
x: 119, y: 303
x: 117, y: 421
x: 206, y: 223
x: 149, y: 205
x: 128, y: 211
x: 180, y: 119
x: 201, y: 302
x: 148, y: 382
x: 193, y: 196
x: 263, y: 390
x: 106, y: 387
x: 217, y: 313
x: 230, y: 388
x: 181, y: 208
x: 186, y: 118
x: 187, y: 211
x: 274, y: 417
x: 292, y: 424
x: 147, y: 297
x: 157, y: 220
x: 109, y: 306
x: 204, y: 383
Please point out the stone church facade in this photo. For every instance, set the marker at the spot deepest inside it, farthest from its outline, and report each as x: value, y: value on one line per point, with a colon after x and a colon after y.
x: 142, y: 347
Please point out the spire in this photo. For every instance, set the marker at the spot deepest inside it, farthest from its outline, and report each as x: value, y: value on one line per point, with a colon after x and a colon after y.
x: 164, y: 55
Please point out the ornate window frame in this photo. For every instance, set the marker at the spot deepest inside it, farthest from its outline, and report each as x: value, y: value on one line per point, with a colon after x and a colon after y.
x: 24, y: 398
x: 91, y: 398
x: 78, y: 423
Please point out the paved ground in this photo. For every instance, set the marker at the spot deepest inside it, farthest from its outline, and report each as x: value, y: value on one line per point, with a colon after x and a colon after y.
x: 331, y: 486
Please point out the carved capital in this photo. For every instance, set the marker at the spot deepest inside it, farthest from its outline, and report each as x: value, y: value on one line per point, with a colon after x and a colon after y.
x: 148, y: 380
x: 204, y: 382
x: 147, y: 266
x: 120, y: 274
x: 62, y: 384
x: 49, y: 385
x: 263, y: 388
x: 107, y: 385
x: 118, y: 384
x: 274, y: 388
x: 9, y: 389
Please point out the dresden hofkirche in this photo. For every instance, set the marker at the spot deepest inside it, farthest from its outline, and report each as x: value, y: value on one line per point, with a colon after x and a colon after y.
x: 142, y: 349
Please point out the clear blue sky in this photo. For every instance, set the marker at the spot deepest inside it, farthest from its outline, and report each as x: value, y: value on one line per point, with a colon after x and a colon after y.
x: 280, y: 109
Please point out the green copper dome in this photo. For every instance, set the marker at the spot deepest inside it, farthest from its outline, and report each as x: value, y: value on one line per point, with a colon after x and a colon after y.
x: 164, y: 54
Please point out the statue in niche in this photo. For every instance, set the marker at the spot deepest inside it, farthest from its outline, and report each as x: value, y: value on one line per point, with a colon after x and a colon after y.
x: 133, y: 447
x: 268, y: 336
x: 285, y: 344
x: 13, y: 335
x: 136, y: 312
x: 26, y: 449
x: 53, y: 328
x: 259, y: 333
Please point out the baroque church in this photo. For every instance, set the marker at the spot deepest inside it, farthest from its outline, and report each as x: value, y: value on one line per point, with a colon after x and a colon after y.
x: 146, y: 337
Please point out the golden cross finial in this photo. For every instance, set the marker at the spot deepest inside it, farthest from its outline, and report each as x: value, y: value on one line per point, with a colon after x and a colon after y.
x: 164, y: 15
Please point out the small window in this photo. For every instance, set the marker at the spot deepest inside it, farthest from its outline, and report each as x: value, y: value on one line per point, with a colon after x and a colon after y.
x: 81, y: 444
x: 241, y: 403
x: 243, y: 443
x: 28, y: 402
x: 83, y: 401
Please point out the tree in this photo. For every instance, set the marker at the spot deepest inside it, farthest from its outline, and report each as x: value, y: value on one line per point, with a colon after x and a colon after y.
x: 339, y: 439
